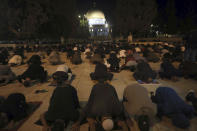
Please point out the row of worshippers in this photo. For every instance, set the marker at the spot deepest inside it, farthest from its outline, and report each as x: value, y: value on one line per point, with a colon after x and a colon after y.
x: 139, y: 64
x: 137, y: 109
x: 28, y: 77
x: 97, y: 53
x: 151, y: 53
x: 133, y: 62
x: 104, y: 110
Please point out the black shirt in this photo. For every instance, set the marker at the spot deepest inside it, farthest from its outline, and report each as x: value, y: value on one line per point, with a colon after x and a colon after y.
x: 63, y: 104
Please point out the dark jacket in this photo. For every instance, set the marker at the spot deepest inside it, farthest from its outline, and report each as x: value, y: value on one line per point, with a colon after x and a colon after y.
x: 113, y: 61
x: 171, y: 105
x: 103, y: 101
x: 168, y: 70
x: 34, y: 72
x: 144, y: 72
x: 63, y: 104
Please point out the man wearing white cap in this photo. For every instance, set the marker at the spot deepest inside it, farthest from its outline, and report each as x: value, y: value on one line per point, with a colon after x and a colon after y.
x: 15, y: 60
x: 103, y: 104
x: 64, y: 68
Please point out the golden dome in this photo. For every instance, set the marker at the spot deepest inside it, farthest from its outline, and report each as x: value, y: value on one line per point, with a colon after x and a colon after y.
x: 95, y: 14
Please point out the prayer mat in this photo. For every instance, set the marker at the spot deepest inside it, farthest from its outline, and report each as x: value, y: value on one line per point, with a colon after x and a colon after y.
x: 33, y: 106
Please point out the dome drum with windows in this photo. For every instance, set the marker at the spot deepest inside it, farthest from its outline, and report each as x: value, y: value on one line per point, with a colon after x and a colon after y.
x: 98, y: 25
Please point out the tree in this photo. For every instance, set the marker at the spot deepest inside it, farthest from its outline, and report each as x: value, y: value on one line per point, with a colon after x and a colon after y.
x: 176, y: 16
x: 134, y: 16
x: 62, y: 19
x: 21, y: 18
x: 4, y: 32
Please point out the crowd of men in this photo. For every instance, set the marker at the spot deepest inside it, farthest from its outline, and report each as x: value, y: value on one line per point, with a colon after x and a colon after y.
x: 104, y: 110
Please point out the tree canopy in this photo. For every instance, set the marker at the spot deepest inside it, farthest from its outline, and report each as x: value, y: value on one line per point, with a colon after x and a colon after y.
x: 176, y: 16
x: 134, y: 16
x: 37, y: 19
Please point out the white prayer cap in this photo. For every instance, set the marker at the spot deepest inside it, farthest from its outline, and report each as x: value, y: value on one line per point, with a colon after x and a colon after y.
x: 137, y: 49
x: 75, y: 49
x: 182, y: 48
x: 63, y: 68
x: 87, y: 50
x: 108, y: 124
x: 166, y: 44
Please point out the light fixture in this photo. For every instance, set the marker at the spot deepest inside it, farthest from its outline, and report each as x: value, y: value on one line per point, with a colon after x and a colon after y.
x: 106, y: 25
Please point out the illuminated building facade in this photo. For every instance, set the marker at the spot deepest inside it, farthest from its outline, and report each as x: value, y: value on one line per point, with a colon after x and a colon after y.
x: 98, y: 26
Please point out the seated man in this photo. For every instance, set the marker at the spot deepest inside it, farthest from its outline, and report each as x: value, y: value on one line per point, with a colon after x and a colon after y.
x: 14, y: 108
x: 152, y: 57
x: 6, y: 74
x: 34, y: 72
x: 168, y: 71
x: 54, y: 58
x: 70, y: 52
x: 15, y: 60
x: 63, y: 106
x: 96, y: 58
x: 138, y: 104
x: 76, y: 59
x: 101, y: 69
x: 130, y: 63
x: 65, y: 69
x: 114, y: 62
x: 103, y: 105
x: 122, y: 53
x: 137, y: 49
x: 170, y: 104
x: 35, y: 59
x: 144, y: 72
x: 139, y: 57
x: 88, y: 53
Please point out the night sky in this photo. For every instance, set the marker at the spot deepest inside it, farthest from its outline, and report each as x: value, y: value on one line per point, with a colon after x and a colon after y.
x: 107, y: 6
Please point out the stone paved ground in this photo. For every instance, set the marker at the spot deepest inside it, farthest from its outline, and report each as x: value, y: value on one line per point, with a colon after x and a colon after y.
x: 83, y: 84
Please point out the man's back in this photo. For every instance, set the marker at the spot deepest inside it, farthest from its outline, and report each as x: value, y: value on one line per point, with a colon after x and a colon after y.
x: 62, y: 103
x: 137, y: 98
x: 104, y: 100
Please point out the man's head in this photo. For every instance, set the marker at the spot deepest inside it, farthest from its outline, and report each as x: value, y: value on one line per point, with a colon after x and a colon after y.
x: 107, y: 124
x: 60, y: 77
